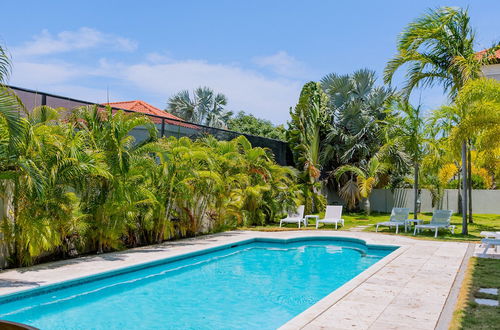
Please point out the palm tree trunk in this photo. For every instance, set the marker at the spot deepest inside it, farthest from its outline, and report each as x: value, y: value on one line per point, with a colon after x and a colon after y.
x: 469, y: 173
x: 17, y: 237
x: 464, y: 189
x: 367, y: 206
x: 459, y: 174
x: 415, y: 191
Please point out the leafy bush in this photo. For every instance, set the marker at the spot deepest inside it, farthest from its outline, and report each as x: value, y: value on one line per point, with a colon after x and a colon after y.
x: 80, y: 183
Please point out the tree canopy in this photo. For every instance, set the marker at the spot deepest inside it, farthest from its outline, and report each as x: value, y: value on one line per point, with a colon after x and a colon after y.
x: 249, y: 124
x: 204, y: 107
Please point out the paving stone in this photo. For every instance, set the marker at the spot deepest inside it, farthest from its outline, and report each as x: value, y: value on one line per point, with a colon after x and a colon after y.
x: 493, y: 291
x: 486, y: 302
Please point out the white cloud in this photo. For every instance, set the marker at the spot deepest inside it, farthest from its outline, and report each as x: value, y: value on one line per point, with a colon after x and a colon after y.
x: 67, y: 41
x: 158, y: 58
x: 282, y: 64
x: 89, y: 94
x: 246, y: 89
x: 153, y: 78
x: 35, y: 73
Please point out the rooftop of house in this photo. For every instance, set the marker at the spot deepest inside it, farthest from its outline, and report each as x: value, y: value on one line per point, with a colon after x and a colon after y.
x: 493, y: 59
x: 148, y: 109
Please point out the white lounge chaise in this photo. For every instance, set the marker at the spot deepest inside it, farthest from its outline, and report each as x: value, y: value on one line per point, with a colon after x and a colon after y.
x: 333, y: 215
x: 297, y: 217
x: 490, y: 243
x: 399, y: 215
x: 440, y: 220
x: 491, y: 240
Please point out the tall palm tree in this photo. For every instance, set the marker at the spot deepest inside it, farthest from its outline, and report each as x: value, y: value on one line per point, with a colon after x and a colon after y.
x: 204, y: 107
x: 438, y: 49
x: 408, y: 131
x: 478, y: 108
x: 309, y: 119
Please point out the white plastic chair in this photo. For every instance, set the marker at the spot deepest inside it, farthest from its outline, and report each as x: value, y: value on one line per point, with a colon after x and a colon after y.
x: 490, y: 243
x: 399, y: 215
x: 333, y: 215
x: 492, y: 240
x: 440, y: 219
x: 297, y: 217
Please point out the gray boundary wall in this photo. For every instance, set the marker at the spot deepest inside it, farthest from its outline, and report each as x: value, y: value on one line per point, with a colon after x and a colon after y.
x: 483, y: 201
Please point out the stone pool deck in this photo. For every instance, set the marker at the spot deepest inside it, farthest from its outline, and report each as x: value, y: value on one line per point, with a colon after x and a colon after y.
x: 406, y: 290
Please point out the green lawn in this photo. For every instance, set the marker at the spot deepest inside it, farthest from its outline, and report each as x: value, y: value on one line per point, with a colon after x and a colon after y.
x: 482, y: 273
x: 482, y: 222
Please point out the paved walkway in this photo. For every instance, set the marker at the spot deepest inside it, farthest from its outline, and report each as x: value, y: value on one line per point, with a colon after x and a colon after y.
x: 360, y: 228
x: 405, y: 290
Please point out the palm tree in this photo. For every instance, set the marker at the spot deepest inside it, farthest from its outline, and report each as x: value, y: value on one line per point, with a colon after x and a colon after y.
x: 10, y: 104
x: 107, y: 196
x: 4, y: 65
x: 438, y: 48
x: 204, y: 108
x: 361, y: 181
x: 478, y: 108
x: 408, y: 133
x: 309, y: 118
x: 358, y: 113
x: 37, y: 173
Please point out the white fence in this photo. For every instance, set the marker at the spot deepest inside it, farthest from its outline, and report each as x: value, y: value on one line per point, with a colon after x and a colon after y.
x: 483, y: 201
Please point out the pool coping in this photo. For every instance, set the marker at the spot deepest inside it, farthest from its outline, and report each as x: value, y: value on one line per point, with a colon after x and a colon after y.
x: 408, y: 305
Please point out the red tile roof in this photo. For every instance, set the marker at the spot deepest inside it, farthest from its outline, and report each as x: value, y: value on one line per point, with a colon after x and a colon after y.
x: 146, y: 108
x: 493, y: 59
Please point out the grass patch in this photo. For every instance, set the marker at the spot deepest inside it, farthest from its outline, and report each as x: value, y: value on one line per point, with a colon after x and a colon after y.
x: 482, y: 222
x: 481, y: 273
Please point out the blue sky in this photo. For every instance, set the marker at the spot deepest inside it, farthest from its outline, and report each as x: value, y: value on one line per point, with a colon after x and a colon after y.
x: 258, y: 53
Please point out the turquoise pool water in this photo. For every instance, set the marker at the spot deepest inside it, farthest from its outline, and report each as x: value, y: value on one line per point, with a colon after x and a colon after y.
x: 257, y: 285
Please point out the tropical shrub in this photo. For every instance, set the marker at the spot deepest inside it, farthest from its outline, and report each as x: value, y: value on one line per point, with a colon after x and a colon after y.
x: 360, y: 181
x: 77, y: 181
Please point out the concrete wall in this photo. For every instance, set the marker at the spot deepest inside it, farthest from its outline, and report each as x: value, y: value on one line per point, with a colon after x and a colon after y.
x: 483, y: 201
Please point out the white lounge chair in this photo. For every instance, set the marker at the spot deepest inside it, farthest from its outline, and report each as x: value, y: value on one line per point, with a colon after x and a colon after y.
x: 297, y: 217
x: 491, y: 240
x: 333, y: 215
x: 490, y: 243
x: 399, y: 215
x: 440, y: 219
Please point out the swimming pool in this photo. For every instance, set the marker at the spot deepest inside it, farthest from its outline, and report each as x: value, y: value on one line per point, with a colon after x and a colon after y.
x: 259, y: 283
